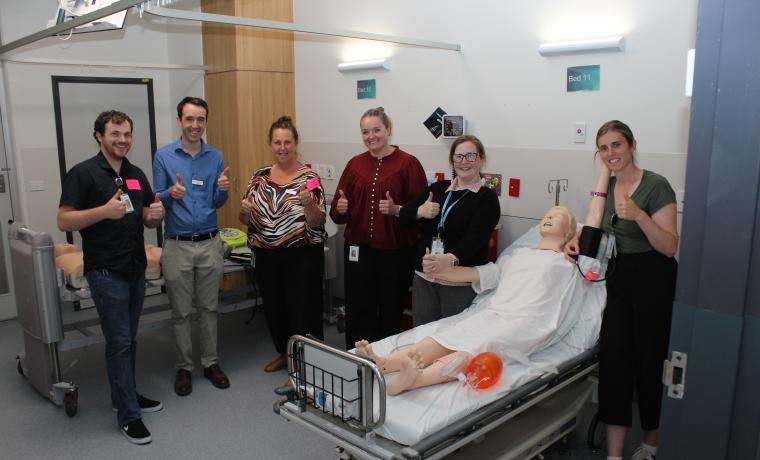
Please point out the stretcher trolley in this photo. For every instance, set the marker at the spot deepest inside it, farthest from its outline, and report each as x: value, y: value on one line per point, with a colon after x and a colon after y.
x: 53, y: 318
x: 342, y: 397
x: 39, y: 314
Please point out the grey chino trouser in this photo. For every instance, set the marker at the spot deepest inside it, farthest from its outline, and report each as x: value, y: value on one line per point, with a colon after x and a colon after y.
x: 193, y: 271
x: 433, y: 301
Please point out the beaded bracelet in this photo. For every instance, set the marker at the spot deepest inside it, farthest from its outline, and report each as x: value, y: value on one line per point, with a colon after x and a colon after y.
x: 600, y: 194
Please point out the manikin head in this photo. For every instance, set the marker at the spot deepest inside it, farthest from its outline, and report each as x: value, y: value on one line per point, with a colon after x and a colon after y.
x: 557, y: 227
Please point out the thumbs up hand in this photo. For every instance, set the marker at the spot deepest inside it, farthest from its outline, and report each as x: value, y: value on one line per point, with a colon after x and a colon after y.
x: 305, y: 195
x: 246, y: 206
x: 224, y: 181
x: 342, y: 205
x: 156, y: 209
x: 388, y: 206
x: 177, y: 191
x: 115, y: 208
x: 429, y: 209
x: 626, y: 208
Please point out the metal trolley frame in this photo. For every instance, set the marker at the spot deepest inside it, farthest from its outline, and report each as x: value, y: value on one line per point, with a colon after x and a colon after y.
x: 312, y: 403
x: 49, y: 327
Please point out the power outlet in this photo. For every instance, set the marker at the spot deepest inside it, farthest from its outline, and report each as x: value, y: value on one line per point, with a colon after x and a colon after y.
x: 36, y: 185
x: 329, y: 171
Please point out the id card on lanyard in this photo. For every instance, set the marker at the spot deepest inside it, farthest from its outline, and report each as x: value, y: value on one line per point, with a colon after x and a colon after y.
x: 436, y: 246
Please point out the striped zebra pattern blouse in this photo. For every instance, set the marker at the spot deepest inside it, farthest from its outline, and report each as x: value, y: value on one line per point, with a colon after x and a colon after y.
x: 277, y: 219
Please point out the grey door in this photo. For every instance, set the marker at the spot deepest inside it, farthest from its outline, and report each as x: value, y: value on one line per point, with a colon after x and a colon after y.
x: 716, y: 316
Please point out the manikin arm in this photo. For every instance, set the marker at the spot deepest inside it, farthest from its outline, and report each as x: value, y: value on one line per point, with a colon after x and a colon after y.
x: 457, y: 275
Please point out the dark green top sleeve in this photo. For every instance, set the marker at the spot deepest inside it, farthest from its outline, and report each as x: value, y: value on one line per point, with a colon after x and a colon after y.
x: 653, y: 193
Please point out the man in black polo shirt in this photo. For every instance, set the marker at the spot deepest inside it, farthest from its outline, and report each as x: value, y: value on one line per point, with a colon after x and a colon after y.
x: 108, y: 200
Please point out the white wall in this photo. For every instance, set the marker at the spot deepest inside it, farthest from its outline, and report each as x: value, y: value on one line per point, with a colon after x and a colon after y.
x: 514, y: 99
x: 29, y: 89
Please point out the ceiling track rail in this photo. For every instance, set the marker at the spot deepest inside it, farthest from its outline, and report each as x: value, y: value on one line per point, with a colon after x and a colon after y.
x: 171, y: 13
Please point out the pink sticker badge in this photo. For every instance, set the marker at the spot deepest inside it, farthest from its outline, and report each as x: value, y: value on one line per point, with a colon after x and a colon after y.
x: 133, y: 184
x: 312, y: 183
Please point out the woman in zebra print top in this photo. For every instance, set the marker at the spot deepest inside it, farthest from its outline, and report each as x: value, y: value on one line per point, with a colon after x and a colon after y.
x: 284, y: 209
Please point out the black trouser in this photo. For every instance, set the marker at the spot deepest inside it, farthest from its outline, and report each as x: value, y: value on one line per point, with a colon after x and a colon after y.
x: 634, y: 338
x: 290, y: 280
x: 375, y: 288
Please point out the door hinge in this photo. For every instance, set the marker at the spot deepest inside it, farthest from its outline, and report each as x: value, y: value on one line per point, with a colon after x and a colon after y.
x: 674, y: 375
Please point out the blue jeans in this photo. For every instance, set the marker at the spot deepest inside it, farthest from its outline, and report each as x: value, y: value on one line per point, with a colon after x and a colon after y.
x: 119, y: 302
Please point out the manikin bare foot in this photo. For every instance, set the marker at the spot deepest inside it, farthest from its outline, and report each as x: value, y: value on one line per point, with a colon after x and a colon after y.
x: 364, y: 349
x: 410, y: 370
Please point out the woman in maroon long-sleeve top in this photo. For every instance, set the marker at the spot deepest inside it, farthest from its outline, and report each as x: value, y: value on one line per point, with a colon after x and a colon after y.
x: 379, y: 252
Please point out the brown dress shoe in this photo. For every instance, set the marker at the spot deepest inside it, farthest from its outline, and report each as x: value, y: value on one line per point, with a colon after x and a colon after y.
x: 217, y: 377
x: 183, y: 383
x: 276, y: 364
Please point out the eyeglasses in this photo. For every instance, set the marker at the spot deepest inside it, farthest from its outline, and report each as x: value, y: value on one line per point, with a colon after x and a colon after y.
x: 469, y: 156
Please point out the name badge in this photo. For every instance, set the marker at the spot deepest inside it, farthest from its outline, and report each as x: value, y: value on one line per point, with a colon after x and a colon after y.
x: 125, y: 199
x: 436, y: 246
x: 353, y: 253
x: 133, y: 184
x: 197, y: 182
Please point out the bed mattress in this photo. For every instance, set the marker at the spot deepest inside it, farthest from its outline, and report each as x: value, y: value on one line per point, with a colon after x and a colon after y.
x: 413, y: 415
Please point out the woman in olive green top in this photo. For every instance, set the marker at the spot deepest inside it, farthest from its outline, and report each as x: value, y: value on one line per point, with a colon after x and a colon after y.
x: 640, y: 209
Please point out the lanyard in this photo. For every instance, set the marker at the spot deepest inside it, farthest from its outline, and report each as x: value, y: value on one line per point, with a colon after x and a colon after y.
x: 446, y: 209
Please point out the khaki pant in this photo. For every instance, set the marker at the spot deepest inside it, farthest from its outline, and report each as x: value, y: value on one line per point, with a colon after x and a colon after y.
x: 193, y: 271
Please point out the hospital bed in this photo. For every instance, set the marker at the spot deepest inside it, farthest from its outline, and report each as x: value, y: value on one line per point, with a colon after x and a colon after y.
x: 52, y: 321
x: 343, y: 398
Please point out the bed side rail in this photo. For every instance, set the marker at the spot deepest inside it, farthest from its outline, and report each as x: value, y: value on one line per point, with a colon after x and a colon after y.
x: 567, y: 372
x: 336, y: 382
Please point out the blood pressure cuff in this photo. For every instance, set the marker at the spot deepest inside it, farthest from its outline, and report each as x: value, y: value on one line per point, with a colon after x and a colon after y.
x: 589, y: 241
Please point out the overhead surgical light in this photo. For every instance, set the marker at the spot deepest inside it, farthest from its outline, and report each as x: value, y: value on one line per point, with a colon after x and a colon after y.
x: 384, y: 63
x: 582, y: 46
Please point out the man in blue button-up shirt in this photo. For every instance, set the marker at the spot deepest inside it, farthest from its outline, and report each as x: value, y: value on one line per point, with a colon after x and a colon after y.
x: 191, y: 179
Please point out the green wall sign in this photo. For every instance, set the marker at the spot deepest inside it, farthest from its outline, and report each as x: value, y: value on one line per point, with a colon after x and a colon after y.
x: 366, y: 89
x: 583, y: 78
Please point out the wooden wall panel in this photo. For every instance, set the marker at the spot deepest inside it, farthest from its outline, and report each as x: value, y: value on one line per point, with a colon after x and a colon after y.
x: 246, y: 48
x: 243, y: 104
x: 261, y: 49
x: 249, y: 84
x: 264, y: 97
x: 222, y: 132
x: 219, y: 41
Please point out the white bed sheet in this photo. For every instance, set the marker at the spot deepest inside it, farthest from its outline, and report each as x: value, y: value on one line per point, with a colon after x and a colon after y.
x: 413, y: 415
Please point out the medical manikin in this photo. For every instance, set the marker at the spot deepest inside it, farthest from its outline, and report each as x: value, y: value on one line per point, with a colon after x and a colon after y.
x: 528, y: 311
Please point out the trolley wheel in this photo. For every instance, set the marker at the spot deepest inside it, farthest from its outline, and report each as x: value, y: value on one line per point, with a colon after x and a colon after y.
x: 596, y: 436
x: 71, y: 402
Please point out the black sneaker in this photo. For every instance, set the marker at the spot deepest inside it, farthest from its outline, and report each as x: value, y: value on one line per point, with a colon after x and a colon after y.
x: 136, y: 432
x: 146, y: 405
